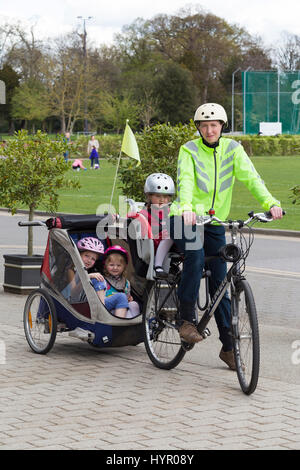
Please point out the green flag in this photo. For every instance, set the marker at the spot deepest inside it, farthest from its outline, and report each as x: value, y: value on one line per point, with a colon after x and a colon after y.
x: 129, y: 145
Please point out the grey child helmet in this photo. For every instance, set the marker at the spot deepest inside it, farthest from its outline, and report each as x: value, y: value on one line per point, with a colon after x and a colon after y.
x: 159, y: 183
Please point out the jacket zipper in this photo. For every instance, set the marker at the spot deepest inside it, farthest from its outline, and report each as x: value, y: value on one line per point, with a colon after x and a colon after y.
x: 212, y: 211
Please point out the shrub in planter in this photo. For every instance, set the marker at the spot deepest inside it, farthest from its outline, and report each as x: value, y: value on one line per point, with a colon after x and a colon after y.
x: 31, y: 174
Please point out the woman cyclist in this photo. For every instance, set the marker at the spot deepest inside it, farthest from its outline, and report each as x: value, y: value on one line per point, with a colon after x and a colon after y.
x: 207, y: 168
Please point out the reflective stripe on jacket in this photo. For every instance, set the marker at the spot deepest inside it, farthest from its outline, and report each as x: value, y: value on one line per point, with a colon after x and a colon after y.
x: 205, y: 178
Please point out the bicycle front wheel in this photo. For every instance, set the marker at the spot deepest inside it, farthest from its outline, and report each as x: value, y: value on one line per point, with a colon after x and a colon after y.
x: 40, y: 321
x: 161, y: 337
x: 245, y: 336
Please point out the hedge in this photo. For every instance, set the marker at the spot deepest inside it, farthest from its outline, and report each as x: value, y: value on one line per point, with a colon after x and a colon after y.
x: 254, y: 145
x: 288, y: 145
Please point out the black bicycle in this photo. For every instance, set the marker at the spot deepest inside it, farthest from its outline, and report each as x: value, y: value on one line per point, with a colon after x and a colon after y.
x: 161, y: 318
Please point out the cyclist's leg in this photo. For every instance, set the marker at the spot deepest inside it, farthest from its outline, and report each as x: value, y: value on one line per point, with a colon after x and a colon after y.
x: 213, y: 241
x: 192, y: 267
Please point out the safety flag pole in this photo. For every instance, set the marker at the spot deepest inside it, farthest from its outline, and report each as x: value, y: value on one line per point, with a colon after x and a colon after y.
x: 113, y: 189
x: 130, y: 148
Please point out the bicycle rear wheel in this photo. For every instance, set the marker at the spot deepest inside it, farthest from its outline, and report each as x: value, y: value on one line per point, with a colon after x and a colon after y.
x: 40, y: 321
x: 245, y: 336
x: 161, y: 337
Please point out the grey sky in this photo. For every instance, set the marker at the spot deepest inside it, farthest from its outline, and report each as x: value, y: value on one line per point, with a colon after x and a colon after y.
x: 267, y: 18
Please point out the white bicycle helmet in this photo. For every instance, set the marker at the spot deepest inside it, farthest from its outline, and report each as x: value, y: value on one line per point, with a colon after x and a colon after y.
x: 159, y: 183
x: 90, y: 244
x: 211, y: 112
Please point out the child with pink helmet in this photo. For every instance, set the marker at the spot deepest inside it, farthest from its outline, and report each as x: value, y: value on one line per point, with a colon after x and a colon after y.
x: 115, y: 262
x: 90, y: 249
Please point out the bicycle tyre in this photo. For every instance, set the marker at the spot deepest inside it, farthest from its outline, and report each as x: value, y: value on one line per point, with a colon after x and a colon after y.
x: 161, y: 338
x: 245, y: 334
x: 40, y: 321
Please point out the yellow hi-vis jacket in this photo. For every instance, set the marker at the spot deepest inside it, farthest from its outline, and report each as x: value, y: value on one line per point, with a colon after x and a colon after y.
x: 206, y: 176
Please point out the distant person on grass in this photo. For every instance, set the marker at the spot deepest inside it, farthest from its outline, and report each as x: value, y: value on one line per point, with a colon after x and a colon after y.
x: 67, y: 139
x: 92, y: 150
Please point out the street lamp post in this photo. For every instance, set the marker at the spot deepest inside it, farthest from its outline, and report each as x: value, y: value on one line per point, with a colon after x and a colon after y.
x: 84, y: 71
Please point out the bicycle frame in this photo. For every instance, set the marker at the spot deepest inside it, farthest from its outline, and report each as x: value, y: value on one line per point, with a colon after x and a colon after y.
x: 233, y: 273
x: 161, y: 318
x: 218, y: 296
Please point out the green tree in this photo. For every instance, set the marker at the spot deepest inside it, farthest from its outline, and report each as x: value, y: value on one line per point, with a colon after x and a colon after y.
x: 206, y: 45
x: 64, y: 77
x: 116, y: 109
x: 175, y: 93
x: 199, y: 42
x: 31, y: 102
x: 32, y: 174
x: 26, y: 53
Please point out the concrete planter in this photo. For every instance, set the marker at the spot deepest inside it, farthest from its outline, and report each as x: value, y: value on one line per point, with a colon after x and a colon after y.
x: 21, y: 273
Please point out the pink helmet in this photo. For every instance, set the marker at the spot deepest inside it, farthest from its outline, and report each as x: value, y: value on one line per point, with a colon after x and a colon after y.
x: 117, y: 249
x: 90, y: 244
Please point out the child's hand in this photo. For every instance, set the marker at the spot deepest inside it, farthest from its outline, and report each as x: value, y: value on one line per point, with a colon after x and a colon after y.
x: 97, y: 276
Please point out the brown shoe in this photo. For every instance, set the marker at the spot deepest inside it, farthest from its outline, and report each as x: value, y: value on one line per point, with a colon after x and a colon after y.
x: 189, y: 333
x: 228, y: 358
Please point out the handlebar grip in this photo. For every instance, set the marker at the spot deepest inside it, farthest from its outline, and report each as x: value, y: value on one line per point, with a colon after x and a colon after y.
x: 268, y: 213
x: 33, y: 223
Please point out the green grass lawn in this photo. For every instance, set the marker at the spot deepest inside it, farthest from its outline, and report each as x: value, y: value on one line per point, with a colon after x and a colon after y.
x: 279, y: 174
x: 96, y: 188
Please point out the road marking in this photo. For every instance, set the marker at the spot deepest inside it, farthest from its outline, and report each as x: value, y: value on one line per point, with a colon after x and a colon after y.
x: 272, y: 272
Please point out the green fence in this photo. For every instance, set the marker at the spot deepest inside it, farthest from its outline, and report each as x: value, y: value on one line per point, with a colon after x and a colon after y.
x: 271, y: 97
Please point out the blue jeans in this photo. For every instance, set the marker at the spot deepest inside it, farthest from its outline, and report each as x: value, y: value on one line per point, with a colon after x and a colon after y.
x: 118, y: 300
x: 115, y: 301
x: 214, y: 238
x: 98, y: 285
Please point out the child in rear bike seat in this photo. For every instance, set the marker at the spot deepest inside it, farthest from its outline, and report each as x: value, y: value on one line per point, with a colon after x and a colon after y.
x: 115, y: 262
x: 159, y: 189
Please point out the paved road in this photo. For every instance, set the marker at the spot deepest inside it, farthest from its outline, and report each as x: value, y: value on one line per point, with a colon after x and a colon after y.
x: 78, y: 397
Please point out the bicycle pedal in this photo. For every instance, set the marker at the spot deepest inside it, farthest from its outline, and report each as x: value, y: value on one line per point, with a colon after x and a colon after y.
x: 187, y: 346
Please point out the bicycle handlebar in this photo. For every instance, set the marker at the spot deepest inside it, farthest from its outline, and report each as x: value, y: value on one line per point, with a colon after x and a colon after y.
x: 263, y: 217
